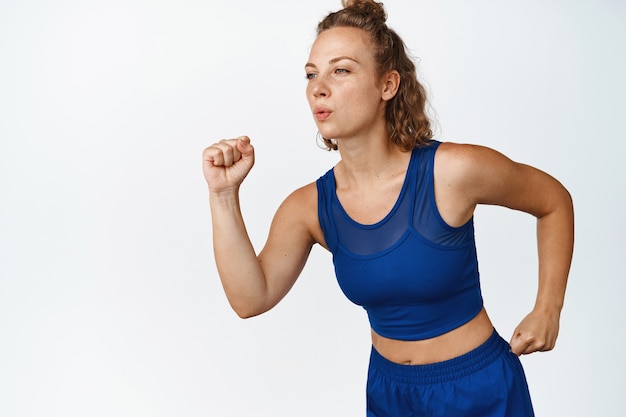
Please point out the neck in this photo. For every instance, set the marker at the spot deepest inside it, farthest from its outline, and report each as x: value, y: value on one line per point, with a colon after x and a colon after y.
x: 370, y: 159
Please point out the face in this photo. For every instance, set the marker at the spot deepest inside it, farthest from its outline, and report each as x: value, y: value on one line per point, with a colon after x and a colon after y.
x: 344, y: 92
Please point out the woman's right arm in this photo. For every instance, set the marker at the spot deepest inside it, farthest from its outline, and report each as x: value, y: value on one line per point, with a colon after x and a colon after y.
x: 254, y: 284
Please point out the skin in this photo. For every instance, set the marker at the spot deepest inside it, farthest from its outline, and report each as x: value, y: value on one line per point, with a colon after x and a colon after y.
x: 348, y: 100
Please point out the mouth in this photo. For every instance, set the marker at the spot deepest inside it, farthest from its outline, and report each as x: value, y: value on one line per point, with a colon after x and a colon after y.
x: 322, y: 113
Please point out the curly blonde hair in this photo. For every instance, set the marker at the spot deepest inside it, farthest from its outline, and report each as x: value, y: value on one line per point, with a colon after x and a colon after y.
x: 408, y: 124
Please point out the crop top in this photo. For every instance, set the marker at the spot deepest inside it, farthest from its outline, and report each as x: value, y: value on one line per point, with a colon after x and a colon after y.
x: 416, y: 276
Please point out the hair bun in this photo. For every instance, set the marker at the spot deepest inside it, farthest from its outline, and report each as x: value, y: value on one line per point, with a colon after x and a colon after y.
x: 368, y: 7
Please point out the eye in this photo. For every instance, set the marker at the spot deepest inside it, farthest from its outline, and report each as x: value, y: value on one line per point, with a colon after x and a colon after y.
x: 341, y: 71
x: 309, y: 75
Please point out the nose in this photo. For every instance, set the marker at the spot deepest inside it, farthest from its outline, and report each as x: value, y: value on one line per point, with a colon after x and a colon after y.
x: 319, y: 87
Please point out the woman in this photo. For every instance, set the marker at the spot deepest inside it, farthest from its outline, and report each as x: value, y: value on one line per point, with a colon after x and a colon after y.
x: 396, y: 213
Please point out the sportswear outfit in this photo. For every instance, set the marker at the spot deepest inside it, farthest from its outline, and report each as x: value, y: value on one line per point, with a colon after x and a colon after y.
x: 417, y: 278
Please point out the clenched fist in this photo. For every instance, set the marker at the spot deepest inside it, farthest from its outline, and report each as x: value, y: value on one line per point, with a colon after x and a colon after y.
x: 226, y: 163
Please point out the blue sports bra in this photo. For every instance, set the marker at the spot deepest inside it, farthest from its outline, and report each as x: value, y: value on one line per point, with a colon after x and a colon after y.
x: 416, y: 276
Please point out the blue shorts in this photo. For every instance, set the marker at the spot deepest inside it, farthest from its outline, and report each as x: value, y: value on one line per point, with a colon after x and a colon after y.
x: 486, y: 382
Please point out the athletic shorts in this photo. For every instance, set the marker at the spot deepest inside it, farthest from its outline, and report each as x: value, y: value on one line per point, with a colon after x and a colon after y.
x: 486, y: 382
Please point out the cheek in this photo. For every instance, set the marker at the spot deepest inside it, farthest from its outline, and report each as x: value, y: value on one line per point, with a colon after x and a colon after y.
x: 364, y: 91
x: 367, y: 99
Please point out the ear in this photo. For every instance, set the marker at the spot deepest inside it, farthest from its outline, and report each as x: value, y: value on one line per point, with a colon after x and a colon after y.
x: 390, y: 85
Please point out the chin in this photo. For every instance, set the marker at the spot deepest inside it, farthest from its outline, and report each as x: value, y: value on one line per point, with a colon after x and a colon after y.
x: 329, y: 133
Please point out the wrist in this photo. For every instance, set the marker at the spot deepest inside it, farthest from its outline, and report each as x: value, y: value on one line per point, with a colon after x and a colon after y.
x: 549, y: 308
x: 224, y: 198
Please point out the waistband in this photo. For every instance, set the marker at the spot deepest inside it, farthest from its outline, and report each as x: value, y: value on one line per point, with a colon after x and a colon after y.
x: 448, y: 370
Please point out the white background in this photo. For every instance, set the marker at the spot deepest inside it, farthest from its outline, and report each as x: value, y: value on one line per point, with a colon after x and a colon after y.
x: 109, y: 299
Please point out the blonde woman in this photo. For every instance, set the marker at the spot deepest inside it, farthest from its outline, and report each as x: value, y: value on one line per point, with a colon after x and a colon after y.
x: 396, y: 212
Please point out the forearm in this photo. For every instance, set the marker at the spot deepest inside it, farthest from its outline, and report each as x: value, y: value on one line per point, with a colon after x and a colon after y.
x: 538, y: 331
x: 238, y: 266
x: 555, y: 240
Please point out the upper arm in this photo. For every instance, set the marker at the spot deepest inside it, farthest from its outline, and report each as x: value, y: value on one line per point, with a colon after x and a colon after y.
x: 480, y: 175
x: 293, y: 232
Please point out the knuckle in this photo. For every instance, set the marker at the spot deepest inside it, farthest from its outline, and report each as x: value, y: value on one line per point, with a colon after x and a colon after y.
x: 227, y: 142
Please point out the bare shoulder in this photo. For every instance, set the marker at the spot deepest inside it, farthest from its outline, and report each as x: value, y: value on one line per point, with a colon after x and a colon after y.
x: 299, y: 210
x: 467, y: 156
x: 468, y: 170
x: 305, y: 194
x: 302, y: 201
x: 456, y: 180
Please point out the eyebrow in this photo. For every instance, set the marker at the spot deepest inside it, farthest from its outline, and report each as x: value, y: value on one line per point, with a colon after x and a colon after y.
x: 332, y: 61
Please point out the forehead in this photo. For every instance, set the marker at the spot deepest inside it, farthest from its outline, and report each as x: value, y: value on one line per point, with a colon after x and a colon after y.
x: 341, y: 41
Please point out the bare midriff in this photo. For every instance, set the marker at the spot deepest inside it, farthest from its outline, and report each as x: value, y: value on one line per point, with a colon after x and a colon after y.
x: 437, y: 349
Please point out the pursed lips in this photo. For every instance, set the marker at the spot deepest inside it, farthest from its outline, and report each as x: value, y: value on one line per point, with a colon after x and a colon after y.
x: 322, y: 113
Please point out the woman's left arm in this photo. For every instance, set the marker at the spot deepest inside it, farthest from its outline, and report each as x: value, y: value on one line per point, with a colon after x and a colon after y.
x: 491, y: 178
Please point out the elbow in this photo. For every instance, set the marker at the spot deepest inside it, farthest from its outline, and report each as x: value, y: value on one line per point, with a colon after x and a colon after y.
x: 568, y: 204
x: 246, y: 311
x: 561, y: 202
x: 245, y: 314
x: 247, y: 304
x: 568, y: 199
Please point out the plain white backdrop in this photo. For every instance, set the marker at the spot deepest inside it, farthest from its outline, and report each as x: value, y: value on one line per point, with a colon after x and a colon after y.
x: 109, y: 299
